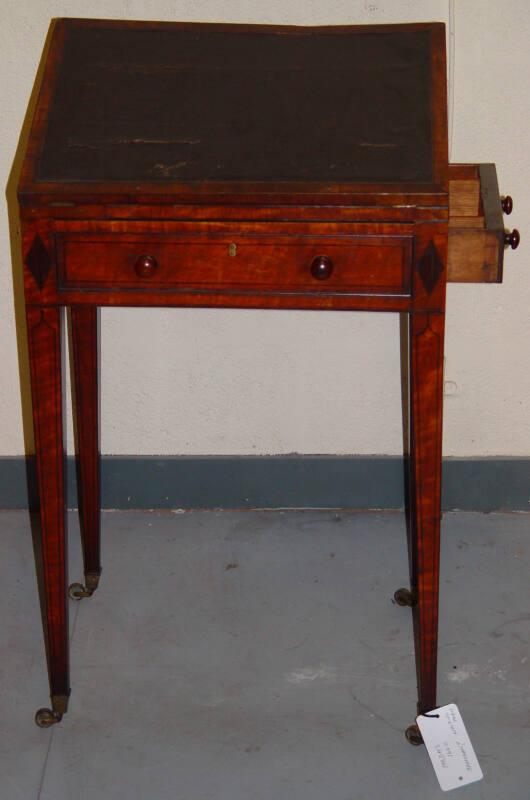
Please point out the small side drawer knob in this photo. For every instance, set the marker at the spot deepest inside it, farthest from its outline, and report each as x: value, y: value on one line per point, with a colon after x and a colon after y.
x: 512, y: 239
x: 145, y: 266
x: 507, y: 204
x: 321, y: 268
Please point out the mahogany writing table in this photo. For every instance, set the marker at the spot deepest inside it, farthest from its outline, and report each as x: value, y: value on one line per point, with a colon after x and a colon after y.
x: 243, y: 167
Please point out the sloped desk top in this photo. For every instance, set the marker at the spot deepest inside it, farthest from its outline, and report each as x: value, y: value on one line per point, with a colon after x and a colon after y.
x: 195, y: 109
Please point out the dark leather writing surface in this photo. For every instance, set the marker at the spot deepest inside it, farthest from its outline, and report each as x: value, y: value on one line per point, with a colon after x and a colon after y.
x: 163, y: 104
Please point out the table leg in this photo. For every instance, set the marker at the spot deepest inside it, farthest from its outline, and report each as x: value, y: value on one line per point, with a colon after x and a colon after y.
x: 425, y: 360
x: 84, y: 337
x: 44, y: 329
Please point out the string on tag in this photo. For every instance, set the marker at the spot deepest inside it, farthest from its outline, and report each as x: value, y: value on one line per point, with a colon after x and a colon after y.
x: 431, y: 716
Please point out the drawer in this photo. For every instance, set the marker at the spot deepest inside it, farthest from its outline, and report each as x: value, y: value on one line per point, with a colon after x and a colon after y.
x: 477, y: 237
x: 235, y: 261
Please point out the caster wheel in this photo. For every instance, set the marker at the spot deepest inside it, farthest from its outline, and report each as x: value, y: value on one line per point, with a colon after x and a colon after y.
x: 404, y: 597
x: 45, y: 717
x: 413, y: 735
x: 77, y: 591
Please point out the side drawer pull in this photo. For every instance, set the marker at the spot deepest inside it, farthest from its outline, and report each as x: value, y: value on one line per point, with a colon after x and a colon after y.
x: 321, y: 268
x: 512, y: 239
x: 507, y: 204
x: 145, y: 266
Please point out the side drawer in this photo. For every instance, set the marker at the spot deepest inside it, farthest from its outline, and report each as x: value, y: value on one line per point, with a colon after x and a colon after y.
x: 476, y: 225
x: 235, y: 261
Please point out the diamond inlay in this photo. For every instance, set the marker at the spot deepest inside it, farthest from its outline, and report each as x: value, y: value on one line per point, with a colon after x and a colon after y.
x: 38, y: 261
x: 430, y: 267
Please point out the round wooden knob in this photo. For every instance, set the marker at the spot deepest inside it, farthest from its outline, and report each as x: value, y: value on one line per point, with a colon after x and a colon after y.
x: 507, y: 204
x: 512, y: 239
x: 321, y: 268
x: 145, y: 266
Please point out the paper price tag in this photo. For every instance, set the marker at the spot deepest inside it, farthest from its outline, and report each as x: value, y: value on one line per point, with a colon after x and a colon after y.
x: 449, y: 747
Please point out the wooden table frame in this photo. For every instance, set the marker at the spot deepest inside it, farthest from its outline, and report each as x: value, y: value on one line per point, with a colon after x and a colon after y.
x: 67, y: 226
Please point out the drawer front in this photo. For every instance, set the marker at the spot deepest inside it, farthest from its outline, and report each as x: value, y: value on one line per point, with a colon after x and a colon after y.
x: 239, y: 263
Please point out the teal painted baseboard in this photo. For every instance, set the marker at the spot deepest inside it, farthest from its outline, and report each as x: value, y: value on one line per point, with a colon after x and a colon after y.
x: 293, y: 481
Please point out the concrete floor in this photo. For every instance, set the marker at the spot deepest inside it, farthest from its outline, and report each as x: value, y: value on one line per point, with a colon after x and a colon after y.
x: 257, y: 655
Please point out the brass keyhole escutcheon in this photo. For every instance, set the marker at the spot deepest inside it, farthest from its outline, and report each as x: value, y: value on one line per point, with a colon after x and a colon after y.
x: 232, y: 249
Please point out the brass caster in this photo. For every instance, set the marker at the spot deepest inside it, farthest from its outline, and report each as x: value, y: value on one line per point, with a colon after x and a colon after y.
x: 45, y: 717
x: 404, y: 597
x: 413, y: 735
x: 76, y: 591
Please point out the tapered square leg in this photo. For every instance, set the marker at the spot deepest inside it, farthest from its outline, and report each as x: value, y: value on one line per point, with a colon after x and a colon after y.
x: 426, y: 353
x: 85, y: 342
x: 45, y: 356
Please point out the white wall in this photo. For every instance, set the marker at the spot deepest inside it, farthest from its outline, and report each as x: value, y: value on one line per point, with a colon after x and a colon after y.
x: 220, y: 381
